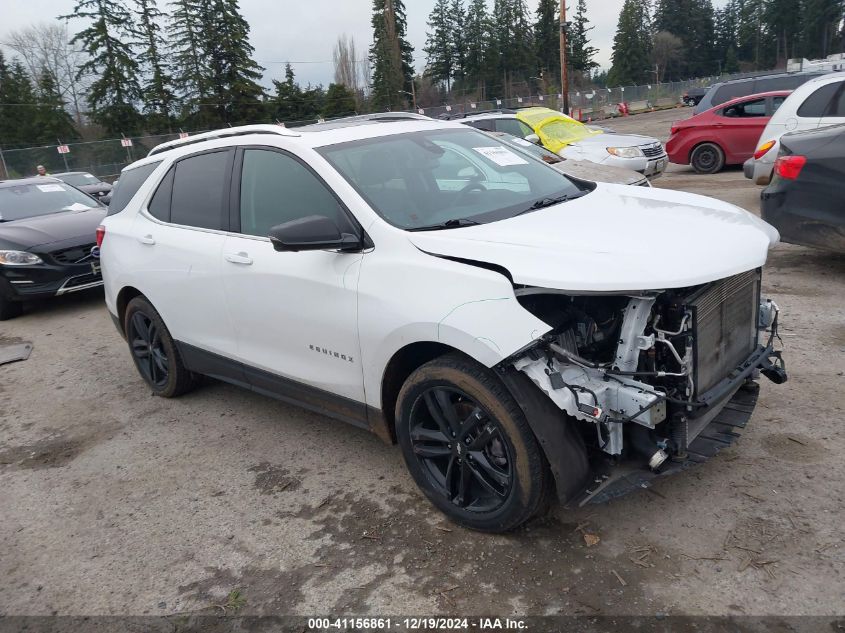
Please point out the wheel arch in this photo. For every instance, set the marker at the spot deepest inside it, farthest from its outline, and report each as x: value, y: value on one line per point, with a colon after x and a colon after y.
x: 126, y: 294
x: 401, y: 365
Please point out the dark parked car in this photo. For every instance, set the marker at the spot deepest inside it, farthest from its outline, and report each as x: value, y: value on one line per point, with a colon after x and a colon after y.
x: 47, y: 231
x: 725, y: 91
x: 805, y: 198
x: 694, y: 95
x: 86, y: 182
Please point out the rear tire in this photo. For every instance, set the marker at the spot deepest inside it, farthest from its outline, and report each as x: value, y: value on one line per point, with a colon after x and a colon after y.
x: 707, y: 158
x: 468, y: 446
x: 10, y: 309
x: 154, y: 352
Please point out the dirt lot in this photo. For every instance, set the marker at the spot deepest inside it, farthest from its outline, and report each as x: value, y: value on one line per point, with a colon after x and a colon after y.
x: 115, y: 502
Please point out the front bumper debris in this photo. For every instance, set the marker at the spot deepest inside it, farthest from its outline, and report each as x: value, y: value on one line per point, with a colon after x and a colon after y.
x: 720, y: 433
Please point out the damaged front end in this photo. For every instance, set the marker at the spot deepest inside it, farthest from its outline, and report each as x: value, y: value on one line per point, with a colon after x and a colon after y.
x: 657, y: 381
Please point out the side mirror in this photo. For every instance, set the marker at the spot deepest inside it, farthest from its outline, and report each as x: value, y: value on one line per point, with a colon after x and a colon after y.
x: 312, y: 233
x: 533, y: 138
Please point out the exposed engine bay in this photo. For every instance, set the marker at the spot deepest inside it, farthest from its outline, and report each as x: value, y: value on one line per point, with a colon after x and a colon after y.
x: 649, y: 372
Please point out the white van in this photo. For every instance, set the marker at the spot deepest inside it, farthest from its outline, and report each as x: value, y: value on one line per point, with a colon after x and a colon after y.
x: 817, y: 103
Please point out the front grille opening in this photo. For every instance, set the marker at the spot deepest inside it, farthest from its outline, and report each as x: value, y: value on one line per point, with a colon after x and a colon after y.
x: 651, y: 152
x: 73, y: 254
x: 81, y: 280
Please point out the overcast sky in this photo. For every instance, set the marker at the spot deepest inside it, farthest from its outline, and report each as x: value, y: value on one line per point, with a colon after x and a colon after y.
x: 305, y: 31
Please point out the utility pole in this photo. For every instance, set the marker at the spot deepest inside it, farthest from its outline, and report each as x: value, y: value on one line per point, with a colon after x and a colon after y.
x: 564, y: 75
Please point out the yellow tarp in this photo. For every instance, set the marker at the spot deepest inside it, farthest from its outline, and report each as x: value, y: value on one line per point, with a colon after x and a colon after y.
x: 556, y: 130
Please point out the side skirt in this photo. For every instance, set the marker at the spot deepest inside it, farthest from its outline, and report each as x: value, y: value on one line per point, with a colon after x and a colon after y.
x: 284, y: 389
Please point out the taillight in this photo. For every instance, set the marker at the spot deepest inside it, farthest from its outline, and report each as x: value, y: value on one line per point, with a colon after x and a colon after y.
x: 674, y: 130
x: 101, y: 235
x: 765, y: 147
x: 789, y: 167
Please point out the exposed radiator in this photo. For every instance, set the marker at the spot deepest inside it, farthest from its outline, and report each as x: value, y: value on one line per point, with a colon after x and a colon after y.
x: 725, y: 317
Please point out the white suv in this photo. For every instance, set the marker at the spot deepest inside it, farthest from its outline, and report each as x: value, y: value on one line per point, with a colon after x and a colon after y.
x: 818, y: 103
x: 519, y: 333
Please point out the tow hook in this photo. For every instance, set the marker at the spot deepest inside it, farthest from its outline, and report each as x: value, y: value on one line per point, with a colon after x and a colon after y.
x: 774, y: 371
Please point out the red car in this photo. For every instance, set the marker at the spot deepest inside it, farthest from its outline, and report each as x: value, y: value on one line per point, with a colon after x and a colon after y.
x: 724, y: 135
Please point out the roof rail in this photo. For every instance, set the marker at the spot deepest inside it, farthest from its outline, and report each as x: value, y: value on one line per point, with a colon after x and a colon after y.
x: 240, y: 130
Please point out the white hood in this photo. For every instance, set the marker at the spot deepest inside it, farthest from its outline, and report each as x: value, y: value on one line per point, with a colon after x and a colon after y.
x: 616, y: 238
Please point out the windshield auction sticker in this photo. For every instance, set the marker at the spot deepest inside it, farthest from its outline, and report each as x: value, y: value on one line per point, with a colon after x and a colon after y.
x: 501, y: 156
x: 49, y: 188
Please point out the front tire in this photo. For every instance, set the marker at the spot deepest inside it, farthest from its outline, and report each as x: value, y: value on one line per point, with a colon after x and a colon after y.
x: 707, y: 158
x: 154, y: 352
x: 468, y: 446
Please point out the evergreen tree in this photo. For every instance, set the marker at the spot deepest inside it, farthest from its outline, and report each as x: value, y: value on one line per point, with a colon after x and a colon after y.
x: 234, y: 75
x: 477, y: 43
x: 116, y: 89
x: 288, y: 103
x: 339, y: 101
x: 783, y: 20
x: 391, y: 56
x: 51, y: 121
x: 820, y: 27
x: 725, y: 37
x: 547, y: 39
x: 157, y: 91
x: 190, y: 72
x: 17, y: 105
x: 692, y: 22
x: 457, y: 16
x: 631, y: 46
x: 513, y: 44
x: 581, y: 53
x: 440, y: 65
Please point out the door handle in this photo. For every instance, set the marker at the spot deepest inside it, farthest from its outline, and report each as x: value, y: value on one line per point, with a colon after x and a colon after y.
x: 239, y: 258
x: 147, y: 239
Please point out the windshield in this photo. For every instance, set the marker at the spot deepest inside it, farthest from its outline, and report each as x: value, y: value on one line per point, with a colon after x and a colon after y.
x: 30, y: 200
x: 78, y: 180
x: 423, y: 179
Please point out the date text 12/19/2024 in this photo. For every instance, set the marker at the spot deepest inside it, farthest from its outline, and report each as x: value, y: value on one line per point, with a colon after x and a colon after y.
x: 415, y: 624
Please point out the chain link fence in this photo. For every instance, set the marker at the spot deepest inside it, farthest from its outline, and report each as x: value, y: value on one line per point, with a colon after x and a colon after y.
x: 103, y: 158
x: 106, y: 158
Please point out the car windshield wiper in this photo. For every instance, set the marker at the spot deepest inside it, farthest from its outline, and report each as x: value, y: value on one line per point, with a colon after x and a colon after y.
x: 455, y: 223
x: 542, y: 203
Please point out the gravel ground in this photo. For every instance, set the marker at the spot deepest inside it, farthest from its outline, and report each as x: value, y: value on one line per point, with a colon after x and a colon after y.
x: 115, y: 502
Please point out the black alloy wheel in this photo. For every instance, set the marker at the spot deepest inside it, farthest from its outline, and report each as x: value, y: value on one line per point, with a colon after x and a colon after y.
x: 461, y: 450
x: 154, y: 351
x: 468, y: 446
x: 148, y: 349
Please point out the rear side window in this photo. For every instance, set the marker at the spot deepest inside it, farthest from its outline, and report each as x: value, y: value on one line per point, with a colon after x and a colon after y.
x: 199, y: 188
x: 777, y: 102
x: 731, y: 91
x: 754, y: 108
x: 159, y: 206
x: 837, y: 106
x: 128, y: 185
x: 816, y: 105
